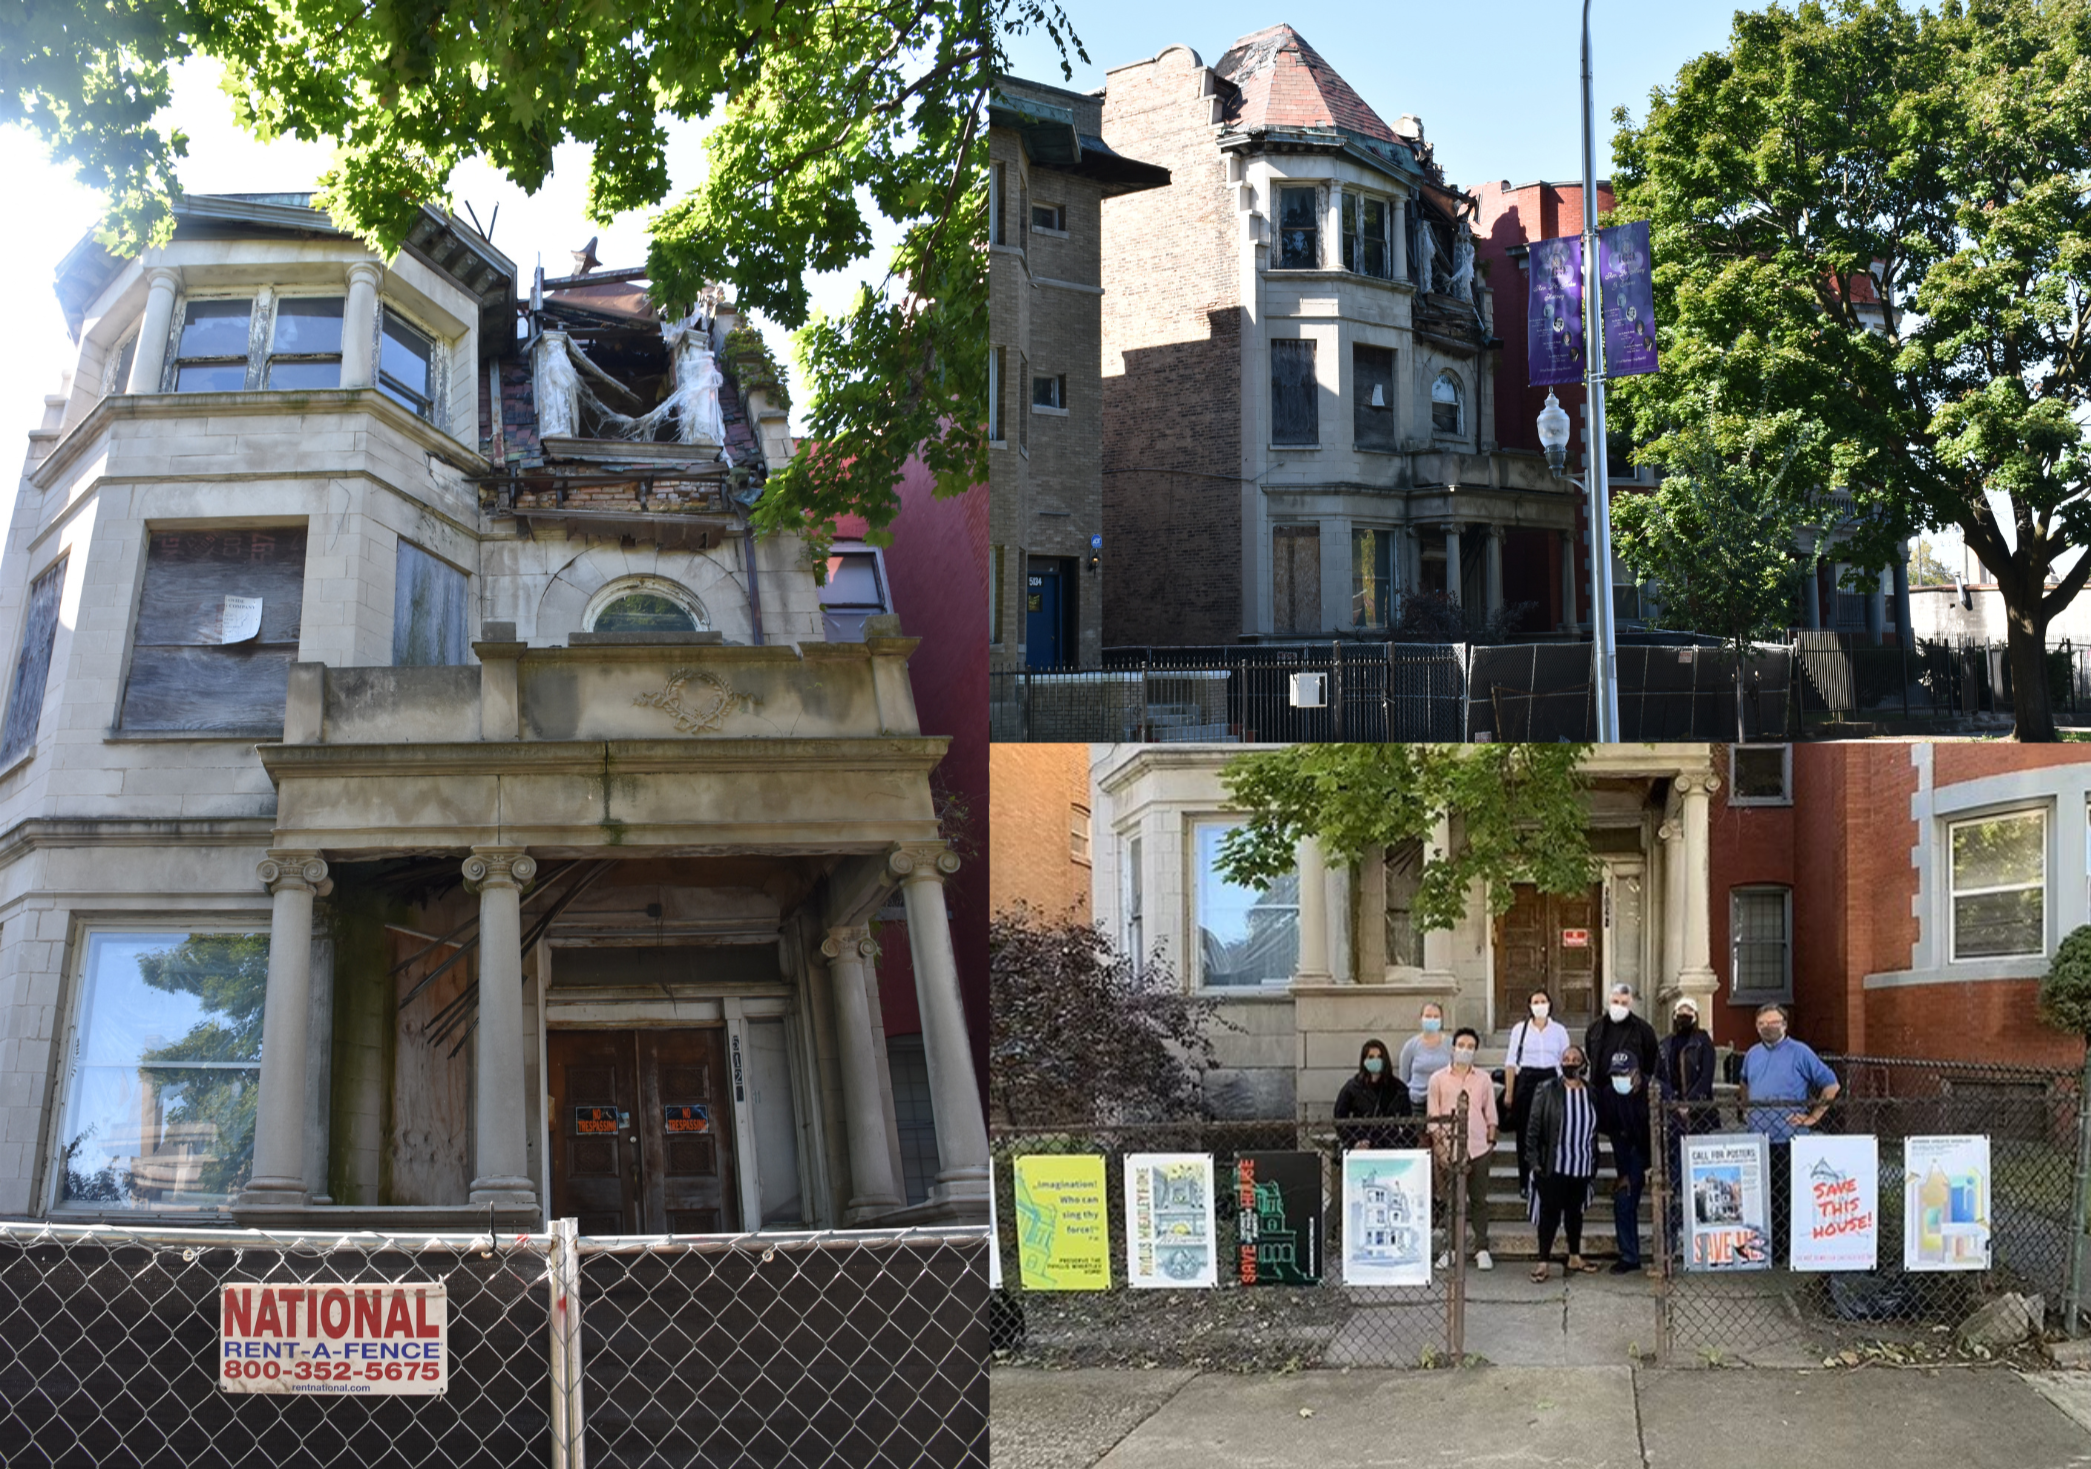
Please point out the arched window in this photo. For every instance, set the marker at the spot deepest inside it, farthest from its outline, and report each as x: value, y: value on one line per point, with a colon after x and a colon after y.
x: 644, y: 612
x: 1445, y: 404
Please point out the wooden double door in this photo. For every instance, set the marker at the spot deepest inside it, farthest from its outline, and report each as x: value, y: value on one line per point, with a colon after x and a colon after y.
x: 642, y: 1131
x: 1552, y: 942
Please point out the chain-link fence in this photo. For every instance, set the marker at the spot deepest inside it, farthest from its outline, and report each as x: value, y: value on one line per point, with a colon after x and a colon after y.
x: 1907, y: 1237
x: 1231, y: 1324
x: 844, y: 1348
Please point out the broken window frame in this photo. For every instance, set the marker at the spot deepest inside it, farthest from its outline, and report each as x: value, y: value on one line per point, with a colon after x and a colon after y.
x: 1360, y: 241
x: 1371, y: 576
x: 1300, y: 390
x: 177, y: 360
x: 1306, y: 237
x: 1457, y: 403
x: 420, y: 405
x: 116, y: 369
x: 32, y: 679
x: 1372, y: 427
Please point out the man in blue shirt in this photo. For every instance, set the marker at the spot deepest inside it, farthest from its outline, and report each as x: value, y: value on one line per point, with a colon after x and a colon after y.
x: 1789, y: 1075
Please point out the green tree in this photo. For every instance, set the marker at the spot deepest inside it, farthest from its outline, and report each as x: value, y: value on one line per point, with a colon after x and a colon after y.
x: 1520, y: 806
x: 1718, y: 533
x: 1881, y: 214
x: 819, y: 109
x: 1926, y: 569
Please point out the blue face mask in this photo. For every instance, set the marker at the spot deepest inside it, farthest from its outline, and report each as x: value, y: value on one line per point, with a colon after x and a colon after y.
x: 1373, y: 1065
x: 1432, y: 1025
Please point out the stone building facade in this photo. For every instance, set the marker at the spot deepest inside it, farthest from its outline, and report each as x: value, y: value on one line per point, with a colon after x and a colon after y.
x: 1299, y: 366
x: 398, y: 825
x: 1050, y: 172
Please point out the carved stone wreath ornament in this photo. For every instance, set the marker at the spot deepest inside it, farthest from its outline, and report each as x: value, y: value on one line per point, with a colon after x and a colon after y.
x: 698, y: 700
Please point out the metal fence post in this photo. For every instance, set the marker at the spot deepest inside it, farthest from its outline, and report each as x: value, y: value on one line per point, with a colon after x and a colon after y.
x: 1456, y: 1298
x: 563, y: 1280
x: 1665, y: 1120
x: 2074, y: 1300
x: 1024, y: 708
x: 1336, y: 664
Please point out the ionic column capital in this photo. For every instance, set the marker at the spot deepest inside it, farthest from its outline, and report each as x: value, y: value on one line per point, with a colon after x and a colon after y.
x: 294, y: 872
x: 852, y: 942
x: 365, y: 273
x: 922, y: 862
x: 163, y: 277
x: 498, y: 867
x: 1703, y: 784
x: 1670, y: 831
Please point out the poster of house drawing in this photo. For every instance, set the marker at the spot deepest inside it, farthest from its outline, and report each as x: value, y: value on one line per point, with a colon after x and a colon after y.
x: 1836, y: 1203
x: 1062, y: 1241
x: 1945, y: 1203
x: 1169, y: 1234
x: 1726, y: 1214
x: 1277, y: 1197
x: 1386, y: 1217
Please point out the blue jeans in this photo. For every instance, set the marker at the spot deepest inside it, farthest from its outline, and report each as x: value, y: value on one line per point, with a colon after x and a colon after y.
x: 1626, y: 1202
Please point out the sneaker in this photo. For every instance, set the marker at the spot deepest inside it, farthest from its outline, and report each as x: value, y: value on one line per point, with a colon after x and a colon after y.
x: 1483, y: 1260
x: 1626, y: 1267
x: 1445, y: 1261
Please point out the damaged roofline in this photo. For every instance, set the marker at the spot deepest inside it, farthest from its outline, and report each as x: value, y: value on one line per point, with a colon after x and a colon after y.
x: 1402, y: 165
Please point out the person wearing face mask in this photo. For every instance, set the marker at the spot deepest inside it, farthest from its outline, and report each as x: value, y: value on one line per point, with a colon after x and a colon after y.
x: 1559, y: 1144
x: 1459, y: 1078
x: 1620, y: 1029
x: 1685, y: 1066
x: 1369, y: 1099
x: 1796, y: 1088
x: 1622, y: 1110
x: 1425, y: 1055
x: 1534, y: 1057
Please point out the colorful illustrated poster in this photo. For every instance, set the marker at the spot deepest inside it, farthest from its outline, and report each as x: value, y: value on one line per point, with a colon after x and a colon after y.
x: 1945, y: 1204
x: 1062, y: 1238
x: 1624, y: 262
x: 1836, y: 1203
x: 994, y: 1240
x: 1169, y: 1234
x: 1278, y: 1196
x: 1554, y: 311
x: 1726, y: 1208
x: 1386, y: 1217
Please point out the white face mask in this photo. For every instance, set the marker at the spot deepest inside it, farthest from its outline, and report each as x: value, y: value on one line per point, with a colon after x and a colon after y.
x: 1462, y: 1055
x: 1622, y: 1084
x: 1617, y: 1012
x: 1539, y: 1011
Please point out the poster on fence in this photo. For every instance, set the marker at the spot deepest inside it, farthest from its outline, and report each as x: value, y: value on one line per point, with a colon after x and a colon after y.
x: 1278, y: 1196
x: 994, y: 1239
x: 1062, y: 1238
x: 342, y: 1340
x: 1169, y: 1234
x: 1945, y: 1203
x: 1386, y: 1217
x: 1727, y: 1213
x: 1836, y: 1203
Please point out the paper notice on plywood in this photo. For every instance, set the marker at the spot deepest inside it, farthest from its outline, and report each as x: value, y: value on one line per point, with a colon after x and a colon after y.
x: 241, y: 621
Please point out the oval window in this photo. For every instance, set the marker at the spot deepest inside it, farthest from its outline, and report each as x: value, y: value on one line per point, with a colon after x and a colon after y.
x: 644, y: 612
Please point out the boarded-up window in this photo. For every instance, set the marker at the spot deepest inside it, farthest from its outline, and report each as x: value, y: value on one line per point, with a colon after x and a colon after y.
x: 25, y: 703
x: 1296, y: 578
x: 1294, y: 415
x: 217, y: 630
x: 428, y: 611
x: 1372, y: 389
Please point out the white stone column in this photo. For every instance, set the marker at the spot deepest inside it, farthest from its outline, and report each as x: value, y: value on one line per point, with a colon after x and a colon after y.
x: 359, y: 326
x: 1400, y: 226
x: 149, y: 358
x: 1452, y: 588
x: 1671, y: 833
x: 1437, y: 942
x: 501, y: 1171
x: 1695, y: 976
x: 1495, y: 568
x: 1314, y: 915
x: 953, y: 1090
x: 870, y: 1165
x: 278, y: 1181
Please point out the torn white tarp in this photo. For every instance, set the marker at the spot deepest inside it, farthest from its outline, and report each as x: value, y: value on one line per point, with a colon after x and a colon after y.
x: 241, y: 620
x: 558, y: 365
x: 694, y: 405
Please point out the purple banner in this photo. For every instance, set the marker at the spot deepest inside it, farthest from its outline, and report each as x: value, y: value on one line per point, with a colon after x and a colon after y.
x: 1629, y: 299
x: 1554, y: 311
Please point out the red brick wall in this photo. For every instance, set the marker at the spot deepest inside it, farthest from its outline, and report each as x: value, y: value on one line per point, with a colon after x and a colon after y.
x: 1031, y: 788
x: 1994, y: 1020
x: 1953, y: 763
x: 1172, y: 371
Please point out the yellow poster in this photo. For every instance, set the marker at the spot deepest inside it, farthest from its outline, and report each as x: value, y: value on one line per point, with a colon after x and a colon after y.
x: 1063, y: 1240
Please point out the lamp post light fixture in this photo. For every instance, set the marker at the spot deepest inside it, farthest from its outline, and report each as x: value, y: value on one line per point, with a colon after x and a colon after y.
x: 1553, y: 432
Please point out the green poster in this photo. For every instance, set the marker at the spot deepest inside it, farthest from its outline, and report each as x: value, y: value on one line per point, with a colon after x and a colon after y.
x: 1063, y: 1242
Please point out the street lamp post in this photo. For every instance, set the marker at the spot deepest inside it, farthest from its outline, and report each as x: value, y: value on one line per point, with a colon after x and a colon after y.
x: 1603, y: 652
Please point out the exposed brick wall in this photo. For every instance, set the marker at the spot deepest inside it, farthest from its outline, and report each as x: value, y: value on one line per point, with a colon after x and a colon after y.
x: 1953, y: 763
x: 1994, y: 1021
x: 1030, y: 789
x: 1172, y: 323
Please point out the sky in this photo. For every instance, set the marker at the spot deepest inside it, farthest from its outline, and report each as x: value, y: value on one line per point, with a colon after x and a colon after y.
x: 52, y: 213
x: 1498, y: 87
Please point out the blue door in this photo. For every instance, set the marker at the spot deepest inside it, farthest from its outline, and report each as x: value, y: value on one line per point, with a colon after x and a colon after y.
x: 1042, y: 619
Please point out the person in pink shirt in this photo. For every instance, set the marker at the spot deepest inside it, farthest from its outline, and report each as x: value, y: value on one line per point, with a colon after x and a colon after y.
x: 1446, y: 1087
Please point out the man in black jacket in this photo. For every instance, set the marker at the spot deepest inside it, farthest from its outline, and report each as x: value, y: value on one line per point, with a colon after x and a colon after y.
x: 1619, y: 1029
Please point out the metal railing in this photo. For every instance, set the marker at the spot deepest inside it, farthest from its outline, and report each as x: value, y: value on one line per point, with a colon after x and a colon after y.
x: 841, y: 1347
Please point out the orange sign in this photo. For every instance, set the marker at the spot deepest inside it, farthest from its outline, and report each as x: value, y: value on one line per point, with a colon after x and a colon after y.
x: 595, y: 1119
x: 686, y: 1117
x: 1575, y: 938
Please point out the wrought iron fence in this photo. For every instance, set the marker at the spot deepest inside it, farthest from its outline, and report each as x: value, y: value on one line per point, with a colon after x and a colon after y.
x: 1231, y: 1324
x: 844, y: 1348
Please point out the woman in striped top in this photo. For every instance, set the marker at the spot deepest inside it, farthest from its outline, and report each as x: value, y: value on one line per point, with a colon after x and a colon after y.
x: 1560, y: 1148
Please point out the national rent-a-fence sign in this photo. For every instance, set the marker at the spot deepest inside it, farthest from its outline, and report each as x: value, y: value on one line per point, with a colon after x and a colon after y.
x: 293, y: 1337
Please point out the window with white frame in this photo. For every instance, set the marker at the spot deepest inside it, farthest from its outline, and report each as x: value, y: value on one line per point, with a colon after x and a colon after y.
x: 1078, y: 834
x: 1365, y: 236
x: 1135, y: 884
x: 1760, y: 944
x: 1998, y: 885
x: 212, y: 349
x: 407, y: 365
x: 1299, y: 229
x: 1760, y: 775
x: 1049, y: 219
x: 1050, y: 393
x: 1446, y: 404
x: 1247, y: 937
x: 163, y: 1068
x: 228, y: 344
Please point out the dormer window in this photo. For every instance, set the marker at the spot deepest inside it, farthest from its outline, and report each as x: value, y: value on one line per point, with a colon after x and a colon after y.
x: 1299, y: 229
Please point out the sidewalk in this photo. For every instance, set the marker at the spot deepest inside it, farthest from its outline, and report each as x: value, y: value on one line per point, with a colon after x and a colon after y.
x: 1593, y: 1417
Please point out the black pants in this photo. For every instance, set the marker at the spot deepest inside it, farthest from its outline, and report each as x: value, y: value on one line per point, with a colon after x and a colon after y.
x: 1561, y: 1208
x: 1529, y: 1081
